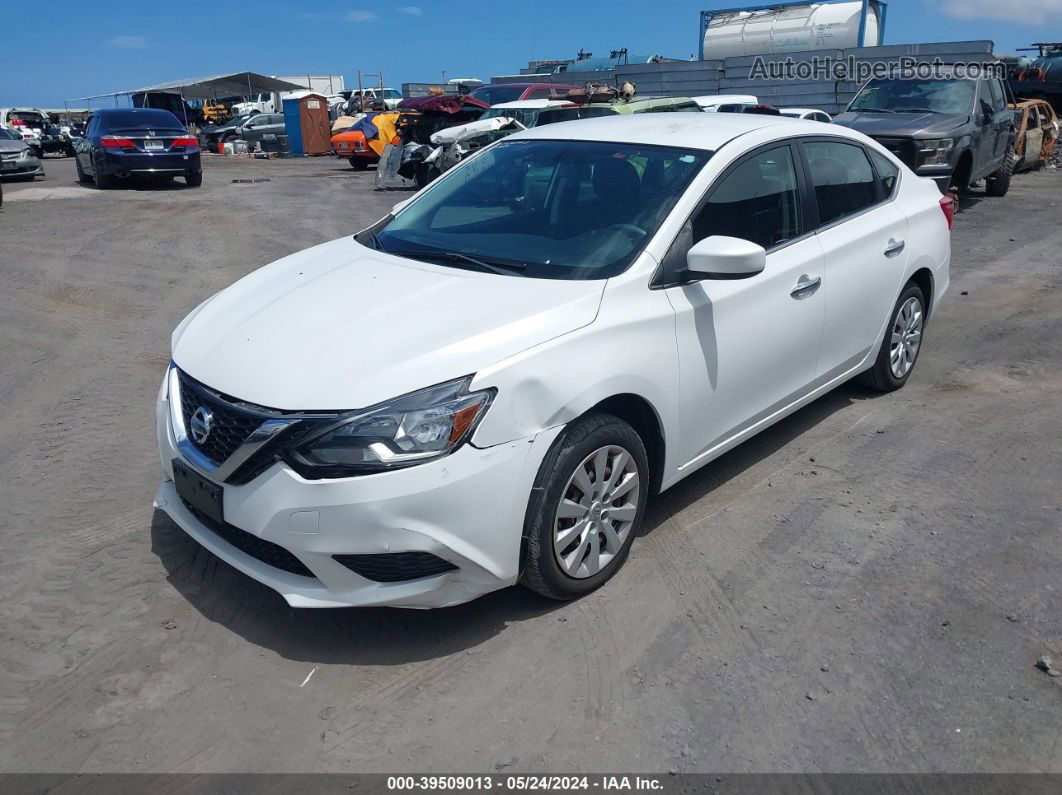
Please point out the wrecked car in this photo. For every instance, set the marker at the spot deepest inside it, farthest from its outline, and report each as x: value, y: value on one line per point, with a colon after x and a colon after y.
x: 419, y: 119
x: 363, y: 142
x: 1037, y: 130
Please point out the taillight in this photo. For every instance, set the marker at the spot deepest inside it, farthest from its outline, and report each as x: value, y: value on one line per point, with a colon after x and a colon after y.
x: 114, y: 142
x: 188, y: 141
x: 947, y: 206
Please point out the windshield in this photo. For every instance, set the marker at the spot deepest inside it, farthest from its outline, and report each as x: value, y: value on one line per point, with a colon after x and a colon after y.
x: 492, y: 95
x: 526, y: 116
x: 7, y: 135
x: 554, y: 115
x: 29, y: 118
x: 953, y: 97
x: 390, y: 93
x: 546, y: 209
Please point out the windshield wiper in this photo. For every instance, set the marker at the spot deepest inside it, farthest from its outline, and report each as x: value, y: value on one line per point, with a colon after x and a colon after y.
x: 873, y: 110
x: 492, y: 266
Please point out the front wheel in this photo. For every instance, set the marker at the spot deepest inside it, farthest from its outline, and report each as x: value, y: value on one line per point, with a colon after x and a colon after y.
x: 586, y: 507
x: 903, y: 341
x: 82, y: 177
x: 998, y: 182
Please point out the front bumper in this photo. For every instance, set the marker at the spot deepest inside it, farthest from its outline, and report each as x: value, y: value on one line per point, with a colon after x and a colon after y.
x: 466, y: 509
x: 25, y: 167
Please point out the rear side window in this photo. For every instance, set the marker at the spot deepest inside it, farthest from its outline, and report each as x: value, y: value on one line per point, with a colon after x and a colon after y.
x: 757, y: 201
x: 841, y: 177
x: 887, y: 172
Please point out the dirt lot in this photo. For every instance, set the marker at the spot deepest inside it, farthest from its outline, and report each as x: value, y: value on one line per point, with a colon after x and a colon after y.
x: 865, y: 587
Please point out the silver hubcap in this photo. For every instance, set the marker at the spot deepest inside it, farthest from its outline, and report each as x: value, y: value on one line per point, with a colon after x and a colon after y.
x: 906, y: 337
x: 596, y: 512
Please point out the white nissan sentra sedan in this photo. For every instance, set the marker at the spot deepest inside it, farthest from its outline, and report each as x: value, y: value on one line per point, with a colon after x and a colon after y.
x: 485, y: 386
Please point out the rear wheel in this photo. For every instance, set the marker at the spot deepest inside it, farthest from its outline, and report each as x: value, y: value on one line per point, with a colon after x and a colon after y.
x: 194, y: 179
x: 359, y: 163
x: 903, y: 341
x: 586, y: 507
x: 103, y: 181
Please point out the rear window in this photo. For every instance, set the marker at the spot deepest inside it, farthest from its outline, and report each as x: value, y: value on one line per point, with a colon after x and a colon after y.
x: 145, y: 119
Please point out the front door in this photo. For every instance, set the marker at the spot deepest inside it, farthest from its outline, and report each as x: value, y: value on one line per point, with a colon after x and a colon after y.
x: 748, y: 347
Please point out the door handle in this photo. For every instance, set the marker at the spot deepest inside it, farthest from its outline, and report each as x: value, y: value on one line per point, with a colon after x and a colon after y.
x: 894, y: 247
x: 805, y: 286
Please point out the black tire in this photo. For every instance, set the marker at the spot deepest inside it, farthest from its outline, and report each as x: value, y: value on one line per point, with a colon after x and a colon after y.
x: 194, y: 179
x: 998, y: 182
x: 880, y: 377
x: 103, y: 181
x: 542, y: 572
x: 82, y: 177
x: 359, y: 163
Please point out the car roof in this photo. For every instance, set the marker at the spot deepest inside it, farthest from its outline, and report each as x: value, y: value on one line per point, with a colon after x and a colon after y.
x: 794, y: 111
x: 726, y: 99
x: 706, y: 131
x: 524, y: 104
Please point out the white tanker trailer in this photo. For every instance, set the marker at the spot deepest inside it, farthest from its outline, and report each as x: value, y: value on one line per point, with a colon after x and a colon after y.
x: 791, y: 27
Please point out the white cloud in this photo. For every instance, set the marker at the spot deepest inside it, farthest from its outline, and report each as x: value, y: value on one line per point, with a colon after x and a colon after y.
x: 360, y: 16
x: 129, y: 42
x: 412, y: 10
x: 1026, y: 12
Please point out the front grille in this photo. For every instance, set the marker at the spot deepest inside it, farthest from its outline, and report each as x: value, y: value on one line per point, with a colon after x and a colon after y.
x: 903, y: 148
x: 258, y: 548
x: 395, y: 566
x: 231, y: 425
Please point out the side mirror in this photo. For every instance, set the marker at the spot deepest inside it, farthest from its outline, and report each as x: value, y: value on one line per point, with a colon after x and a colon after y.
x: 721, y: 257
x: 396, y: 209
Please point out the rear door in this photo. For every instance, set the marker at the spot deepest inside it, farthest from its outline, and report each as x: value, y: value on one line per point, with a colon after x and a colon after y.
x: 1034, y: 138
x: 863, y: 237
x: 748, y: 347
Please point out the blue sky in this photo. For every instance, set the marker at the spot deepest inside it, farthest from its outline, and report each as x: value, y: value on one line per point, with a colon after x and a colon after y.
x: 104, y: 47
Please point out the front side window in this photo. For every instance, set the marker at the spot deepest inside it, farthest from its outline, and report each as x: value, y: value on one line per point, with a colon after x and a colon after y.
x: 999, y: 101
x: 757, y: 201
x: 545, y: 209
x: 888, y: 173
x: 841, y: 178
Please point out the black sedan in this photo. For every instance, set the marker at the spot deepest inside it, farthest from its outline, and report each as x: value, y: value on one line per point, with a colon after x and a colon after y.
x: 125, y: 142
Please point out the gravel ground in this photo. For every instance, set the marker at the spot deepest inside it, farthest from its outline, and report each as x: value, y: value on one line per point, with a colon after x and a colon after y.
x: 865, y: 587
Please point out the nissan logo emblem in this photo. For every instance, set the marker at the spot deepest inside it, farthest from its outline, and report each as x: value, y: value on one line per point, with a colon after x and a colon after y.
x: 201, y: 425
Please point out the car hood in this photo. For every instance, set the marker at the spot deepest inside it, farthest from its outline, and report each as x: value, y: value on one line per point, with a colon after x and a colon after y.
x: 7, y: 145
x: 342, y: 326
x: 901, y: 125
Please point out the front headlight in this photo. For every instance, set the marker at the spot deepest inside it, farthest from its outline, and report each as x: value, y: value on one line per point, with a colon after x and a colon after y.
x: 935, y: 151
x: 409, y: 430
x: 27, y: 154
